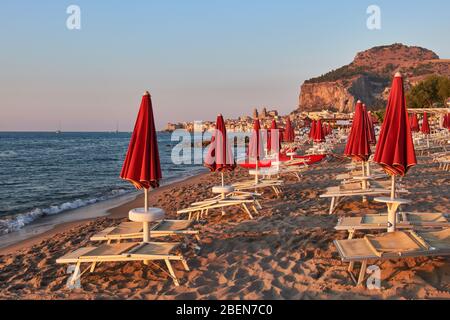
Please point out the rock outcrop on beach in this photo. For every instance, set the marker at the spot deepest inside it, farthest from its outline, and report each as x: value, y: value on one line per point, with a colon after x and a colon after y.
x: 369, y: 76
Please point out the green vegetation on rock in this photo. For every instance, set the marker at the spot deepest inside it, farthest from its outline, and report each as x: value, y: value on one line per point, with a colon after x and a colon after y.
x: 432, y: 92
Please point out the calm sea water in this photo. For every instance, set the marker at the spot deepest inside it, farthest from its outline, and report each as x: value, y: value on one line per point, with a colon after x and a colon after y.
x: 48, y: 173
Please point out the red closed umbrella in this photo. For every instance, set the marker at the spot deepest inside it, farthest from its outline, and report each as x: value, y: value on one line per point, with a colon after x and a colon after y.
x: 142, y: 165
x: 220, y: 156
x: 312, y: 131
x: 255, y: 148
x: 414, y: 123
x: 395, y: 148
x: 318, y: 133
x: 446, y: 123
x: 425, y: 125
x: 373, y: 136
x: 371, y: 130
x: 358, y: 144
x: 274, y: 141
x: 289, y: 134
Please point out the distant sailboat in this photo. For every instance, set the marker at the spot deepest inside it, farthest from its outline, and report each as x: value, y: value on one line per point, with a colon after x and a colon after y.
x: 117, y: 127
x: 59, y: 131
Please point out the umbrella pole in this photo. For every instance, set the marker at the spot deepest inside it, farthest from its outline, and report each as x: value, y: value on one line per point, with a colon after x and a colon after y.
x: 146, y: 199
x: 223, y: 194
x: 146, y: 228
x: 392, y: 209
x: 257, y: 172
x: 364, y: 182
x: 393, y: 188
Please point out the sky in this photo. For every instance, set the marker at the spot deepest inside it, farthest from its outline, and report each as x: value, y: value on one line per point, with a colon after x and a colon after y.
x: 198, y: 58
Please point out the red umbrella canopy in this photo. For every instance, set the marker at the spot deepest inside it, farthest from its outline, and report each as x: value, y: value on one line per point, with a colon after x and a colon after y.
x: 318, y: 133
x: 255, y: 148
x: 307, y: 121
x: 142, y: 166
x: 414, y: 123
x: 446, y: 123
x: 289, y: 134
x: 395, y: 149
x: 358, y: 144
x: 220, y: 156
x: 275, y: 145
x: 372, y: 136
x: 425, y: 125
x: 312, y: 132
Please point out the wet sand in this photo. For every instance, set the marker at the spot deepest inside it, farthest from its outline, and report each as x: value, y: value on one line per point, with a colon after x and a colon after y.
x: 286, y: 252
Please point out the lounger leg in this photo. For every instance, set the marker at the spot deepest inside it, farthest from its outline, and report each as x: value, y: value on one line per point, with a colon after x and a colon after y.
x: 190, y: 216
x: 274, y: 190
x: 258, y: 204
x: 185, y: 265
x: 362, y: 272
x: 76, y: 274
x: 93, y: 265
x: 172, y: 273
x: 351, y: 234
x: 333, y: 201
x: 248, y: 211
x: 351, y: 266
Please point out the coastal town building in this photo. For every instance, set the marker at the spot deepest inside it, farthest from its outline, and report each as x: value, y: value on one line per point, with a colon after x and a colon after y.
x: 245, y: 123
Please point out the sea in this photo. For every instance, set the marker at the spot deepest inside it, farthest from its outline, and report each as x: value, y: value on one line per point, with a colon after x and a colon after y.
x: 69, y: 174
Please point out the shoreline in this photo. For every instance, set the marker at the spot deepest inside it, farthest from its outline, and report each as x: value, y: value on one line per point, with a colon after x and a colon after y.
x: 119, y: 211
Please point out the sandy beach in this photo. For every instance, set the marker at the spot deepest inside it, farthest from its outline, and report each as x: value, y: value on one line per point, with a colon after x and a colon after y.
x: 284, y: 253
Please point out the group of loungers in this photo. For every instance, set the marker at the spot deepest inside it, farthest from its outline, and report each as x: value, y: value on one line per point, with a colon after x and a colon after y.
x: 418, y: 235
x: 354, y: 184
x: 119, y: 242
x: 115, y: 249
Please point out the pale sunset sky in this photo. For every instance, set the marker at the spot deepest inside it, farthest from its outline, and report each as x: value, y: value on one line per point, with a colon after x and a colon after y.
x: 197, y: 57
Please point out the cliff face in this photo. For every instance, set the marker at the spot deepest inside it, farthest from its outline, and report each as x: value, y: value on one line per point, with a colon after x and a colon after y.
x: 325, y: 95
x: 368, y: 78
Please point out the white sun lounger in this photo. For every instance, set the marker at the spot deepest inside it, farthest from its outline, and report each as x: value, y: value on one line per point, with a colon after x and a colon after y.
x: 235, y: 195
x: 406, y: 220
x: 124, y: 252
x: 395, y: 245
x: 134, y: 230
x: 275, y: 185
x: 200, y: 210
x: 337, y: 194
